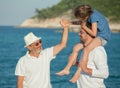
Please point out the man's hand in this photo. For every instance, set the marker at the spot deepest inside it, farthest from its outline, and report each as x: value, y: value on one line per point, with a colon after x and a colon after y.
x: 83, y: 66
x: 65, y: 23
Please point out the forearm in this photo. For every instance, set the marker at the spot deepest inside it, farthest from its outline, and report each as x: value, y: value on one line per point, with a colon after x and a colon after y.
x: 100, y: 73
x: 88, y: 71
x: 62, y: 43
x: 89, y: 31
x: 20, y: 82
x: 20, y: 86
x: 64, y: 37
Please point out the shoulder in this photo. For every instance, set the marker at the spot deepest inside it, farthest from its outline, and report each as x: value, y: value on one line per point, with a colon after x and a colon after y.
x: 96, y: 13
x: 47, y: 50
x: 48, y: 53
x: 94, y: 16
x: 95, y: 10
x: 99, y: 50
x: 99, y: 55
x: 23, y: 58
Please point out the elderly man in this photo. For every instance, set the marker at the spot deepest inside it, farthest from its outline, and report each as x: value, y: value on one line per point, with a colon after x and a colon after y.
x: 97, y: 71
x: 33, y: 69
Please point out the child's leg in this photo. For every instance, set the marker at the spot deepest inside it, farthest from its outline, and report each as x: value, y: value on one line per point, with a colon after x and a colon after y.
x: 96, y: 42
x: 71, y: 60
x: 76, y: 75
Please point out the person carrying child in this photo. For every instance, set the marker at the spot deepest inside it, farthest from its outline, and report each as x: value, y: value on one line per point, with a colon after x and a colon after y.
x: 99, y: 30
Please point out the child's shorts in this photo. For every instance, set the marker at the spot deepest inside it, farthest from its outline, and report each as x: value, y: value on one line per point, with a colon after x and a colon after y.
x: 103, y: 41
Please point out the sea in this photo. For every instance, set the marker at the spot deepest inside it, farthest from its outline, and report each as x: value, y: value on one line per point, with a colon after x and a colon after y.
x: 12, y: 48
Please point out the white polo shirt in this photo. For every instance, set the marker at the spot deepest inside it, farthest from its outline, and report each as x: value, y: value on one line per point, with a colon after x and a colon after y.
x: 97, y: 61
x: 36, y: 71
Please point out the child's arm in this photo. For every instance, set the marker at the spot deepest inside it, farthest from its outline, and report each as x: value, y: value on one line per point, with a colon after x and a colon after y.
x: 92, y: 31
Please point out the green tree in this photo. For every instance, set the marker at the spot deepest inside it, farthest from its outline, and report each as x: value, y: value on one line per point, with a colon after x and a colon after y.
x: 109, y: 8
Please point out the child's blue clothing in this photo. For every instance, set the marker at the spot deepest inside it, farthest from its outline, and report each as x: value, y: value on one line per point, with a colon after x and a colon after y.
x: 102, y: 24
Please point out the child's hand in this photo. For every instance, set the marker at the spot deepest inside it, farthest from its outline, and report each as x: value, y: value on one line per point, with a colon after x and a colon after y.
x: 83, y: 66
x: 83, y: 25
x: 65, y: 23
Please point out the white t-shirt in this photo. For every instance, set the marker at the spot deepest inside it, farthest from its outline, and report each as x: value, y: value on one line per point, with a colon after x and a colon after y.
x: 97, y: 61
x: 36, y: 71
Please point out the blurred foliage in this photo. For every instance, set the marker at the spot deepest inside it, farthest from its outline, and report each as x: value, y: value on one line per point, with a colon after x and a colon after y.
x: 109, y: 8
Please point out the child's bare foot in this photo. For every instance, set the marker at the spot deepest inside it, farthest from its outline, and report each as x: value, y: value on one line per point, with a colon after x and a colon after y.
x: 74, y: 78
x: 63, y: 72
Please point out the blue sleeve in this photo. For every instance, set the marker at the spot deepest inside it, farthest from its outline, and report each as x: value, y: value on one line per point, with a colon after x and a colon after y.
x: 93, y: 18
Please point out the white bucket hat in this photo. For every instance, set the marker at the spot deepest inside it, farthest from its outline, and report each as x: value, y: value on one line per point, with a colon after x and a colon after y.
x: 30, y: 38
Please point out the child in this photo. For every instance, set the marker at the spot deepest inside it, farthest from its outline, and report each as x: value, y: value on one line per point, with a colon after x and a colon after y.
x: 99, y: 29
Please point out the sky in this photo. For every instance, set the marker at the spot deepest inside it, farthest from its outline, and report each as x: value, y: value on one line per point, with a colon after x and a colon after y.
x: 15, y: 12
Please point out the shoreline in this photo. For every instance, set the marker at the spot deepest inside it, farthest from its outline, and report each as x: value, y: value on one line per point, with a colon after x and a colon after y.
x: 70, y: 30
x: 55, y: 23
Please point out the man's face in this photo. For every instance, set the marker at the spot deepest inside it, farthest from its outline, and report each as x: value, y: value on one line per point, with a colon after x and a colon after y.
x: 36, y: 46
x: 83, y: 35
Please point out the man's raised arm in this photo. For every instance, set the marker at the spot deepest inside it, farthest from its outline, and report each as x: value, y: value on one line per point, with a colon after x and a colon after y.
x: 57, y: 48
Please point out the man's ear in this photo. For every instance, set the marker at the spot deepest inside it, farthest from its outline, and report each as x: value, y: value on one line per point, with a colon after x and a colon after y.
x: 29, y: 47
